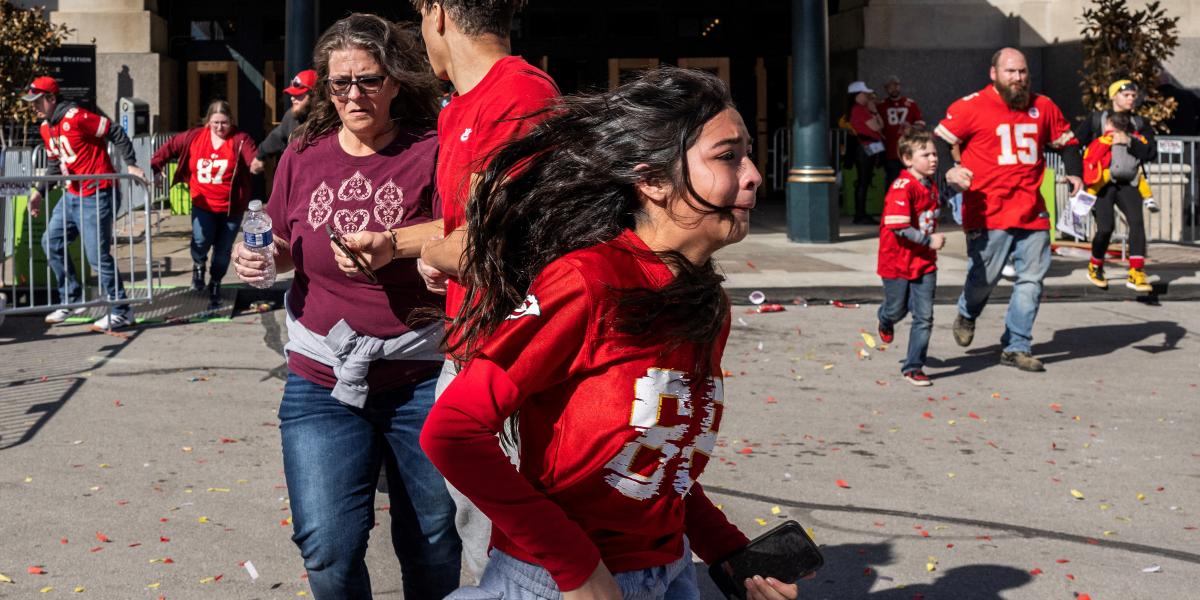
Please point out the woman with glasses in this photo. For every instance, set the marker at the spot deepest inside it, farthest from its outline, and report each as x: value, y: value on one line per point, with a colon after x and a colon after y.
x: 214, y: 160
x: 361, y: 368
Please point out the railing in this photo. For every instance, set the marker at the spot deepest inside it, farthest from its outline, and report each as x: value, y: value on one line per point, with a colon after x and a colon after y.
x: 107, y: 240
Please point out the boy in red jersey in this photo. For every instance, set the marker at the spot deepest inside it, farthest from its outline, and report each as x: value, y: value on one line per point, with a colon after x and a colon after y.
x: 908, y: 248
x: 77, y: 144
x: 1001, y: 132
x: 898, y: 113
x: 596, y: 314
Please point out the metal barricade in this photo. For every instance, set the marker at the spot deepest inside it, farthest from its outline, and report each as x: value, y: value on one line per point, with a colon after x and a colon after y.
x: 91, y: 217
x: 779, y: 156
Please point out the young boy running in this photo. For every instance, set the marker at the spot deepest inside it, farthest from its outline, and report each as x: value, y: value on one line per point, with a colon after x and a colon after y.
x: 908, y: 248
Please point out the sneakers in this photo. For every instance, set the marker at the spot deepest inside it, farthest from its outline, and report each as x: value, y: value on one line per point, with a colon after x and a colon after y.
x: 214, y: 295
x: 1151, y: 204
x: 197, y: 278
x: 1009, y: 271
x: 1137, y: 281
x: 62, y: 315
x: 1095, y: 274
x: 1022, y: 360
x: 887, y: 333
x: 964, y: 330
x: 113, y: 321
x: 918, y: 378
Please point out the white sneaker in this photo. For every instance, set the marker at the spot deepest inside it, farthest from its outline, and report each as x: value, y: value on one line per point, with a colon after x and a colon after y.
x: 1009, y: 271
x: 1151, y: 204
x: 62, y: 314
x: 113, y: 321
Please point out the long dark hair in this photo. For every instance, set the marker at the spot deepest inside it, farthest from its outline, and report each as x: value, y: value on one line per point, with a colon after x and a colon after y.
x: 570, y: 183
x: 398, y: 51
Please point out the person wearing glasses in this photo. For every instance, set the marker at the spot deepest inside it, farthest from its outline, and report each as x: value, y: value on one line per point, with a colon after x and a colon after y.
x: 362, y: 367
x: 300, y: 93
x: 214, y: 160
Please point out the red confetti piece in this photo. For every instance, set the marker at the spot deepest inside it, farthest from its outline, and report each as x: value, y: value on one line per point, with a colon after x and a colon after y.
x: 226, y: 440
x: 63, y: 541
x: 771, y: 400
x: 117, y: 403
x: 1035, y: 572
x: 746, y: 450
x: 770, y: 308
x: 164, y: 539
x: 949, y: 545
x: 1056, y: 407
x: 867, y: 571
x: 842, y: 484
x: 1083, y: 597
x: 1062, y: 561
x: 163, y: 520
x: 96, y: 549
x: 168, y: 561
x: 1071, y: 577
x: 986, y: 538
x: 35, y: 570
x: 1093, y: 541
x: 924, y: 533
x: 751, y: 265
x: 218, y: 577
x: 100, y: 537
x: 973, y: 415
x: 122, y: 502
x: 927, y: 415
x: 135, y: 544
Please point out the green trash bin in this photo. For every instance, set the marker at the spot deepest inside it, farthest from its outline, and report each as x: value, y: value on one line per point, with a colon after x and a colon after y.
x: 874, y: 195
x: 24, y: 233
x: 179, y: 195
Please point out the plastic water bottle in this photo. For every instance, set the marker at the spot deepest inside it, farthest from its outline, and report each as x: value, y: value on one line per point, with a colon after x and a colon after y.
x: 256, y: 233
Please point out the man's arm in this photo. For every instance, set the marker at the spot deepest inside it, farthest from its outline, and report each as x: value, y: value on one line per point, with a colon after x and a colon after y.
x: 276, y: 141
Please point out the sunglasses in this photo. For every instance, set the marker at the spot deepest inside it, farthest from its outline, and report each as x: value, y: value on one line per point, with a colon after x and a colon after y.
x: 370, y: 84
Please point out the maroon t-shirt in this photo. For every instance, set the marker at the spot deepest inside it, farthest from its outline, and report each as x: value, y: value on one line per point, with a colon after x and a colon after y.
x: 324, y: 185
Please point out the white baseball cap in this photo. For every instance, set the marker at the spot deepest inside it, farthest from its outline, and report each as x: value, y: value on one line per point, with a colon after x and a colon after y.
x: 858, y: 87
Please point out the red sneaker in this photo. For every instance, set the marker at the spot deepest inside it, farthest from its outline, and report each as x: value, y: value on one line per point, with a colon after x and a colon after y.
x: 918, y: 378
x: 887, y: 333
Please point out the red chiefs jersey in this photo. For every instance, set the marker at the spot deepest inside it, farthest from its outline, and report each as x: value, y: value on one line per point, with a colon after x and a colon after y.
x: 212, y: 173
x: 909, y: 203
x: 1003, y: 149
x: 472, y: 126
x: 615, y: 428
x: 80, y: 144
x: 897, y: 116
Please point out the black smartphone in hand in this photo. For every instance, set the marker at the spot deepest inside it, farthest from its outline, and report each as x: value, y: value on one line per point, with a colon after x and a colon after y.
x: 358, y: 263
x: 785, y: 553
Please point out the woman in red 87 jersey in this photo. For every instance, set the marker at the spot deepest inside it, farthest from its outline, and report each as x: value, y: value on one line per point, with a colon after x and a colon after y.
x: 214, y: 161
x: 595, y: 313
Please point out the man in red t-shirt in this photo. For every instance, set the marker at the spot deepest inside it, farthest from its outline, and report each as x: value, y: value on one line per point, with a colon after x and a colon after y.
x: 76, y: 142
x: 1000, y: 132
x: 898, y: 114
x: 468, y: 44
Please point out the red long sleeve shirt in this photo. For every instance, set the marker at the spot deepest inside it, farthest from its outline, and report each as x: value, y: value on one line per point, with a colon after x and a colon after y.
x: 614, y: 428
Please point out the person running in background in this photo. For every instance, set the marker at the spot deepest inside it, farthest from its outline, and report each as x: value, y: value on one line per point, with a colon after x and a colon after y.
x: 1113, y: 173
x: 300, y: 93
x: 908, y: 245
x: 594, y: 317
x: 77, y: 142
x: 214, y: 160
x: 898, y: 113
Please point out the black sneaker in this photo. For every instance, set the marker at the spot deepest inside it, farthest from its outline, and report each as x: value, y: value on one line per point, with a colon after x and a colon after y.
x: 887, y: 333
x: 1022, y: 360
x: 214, y: 295
x: 964, y: 331
x: 198, y: 278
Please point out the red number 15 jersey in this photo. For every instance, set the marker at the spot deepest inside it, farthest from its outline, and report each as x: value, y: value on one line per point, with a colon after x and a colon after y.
x: 1003, y: 149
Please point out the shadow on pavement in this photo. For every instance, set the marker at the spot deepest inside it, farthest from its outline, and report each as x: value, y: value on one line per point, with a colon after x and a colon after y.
x: 1071, y: 344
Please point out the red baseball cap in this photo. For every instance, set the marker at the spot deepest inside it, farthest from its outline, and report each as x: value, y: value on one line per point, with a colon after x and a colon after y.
x: 302, y: 83
x: 41, y: 86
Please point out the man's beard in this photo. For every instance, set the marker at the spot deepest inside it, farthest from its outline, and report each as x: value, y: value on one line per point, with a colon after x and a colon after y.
x: 1015, y: 95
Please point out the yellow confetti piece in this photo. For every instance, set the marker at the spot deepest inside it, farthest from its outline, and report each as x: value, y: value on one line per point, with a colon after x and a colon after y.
x: 208, y: 580
x: 776, y: 510
x: 301, y: 593
x: 243, y: 481
x: 105, y: 466
x: 1087, y: 445
x: 1077, y: 494
x: 939, y: 527
x: 1141, y: 496
x: 154, y: 586
x: 931, y: 565
x: 951, y: 422
x: 187, y: 491
x: 28, y: 480
x: 94, y: 488
x: 868, y: 339
x: 828, y: 367
x: 720, y: 507
x: 1110, y: 533
x: 950, y: 475
x: 218, y: 489
x: 761, y: 522
x: 5, y: 578
x: 893, y: 429
x: 1124, y: 519
x: 47, y: 589
x: 812, y: 533
x: 78, y: 589
x: 203, y: 519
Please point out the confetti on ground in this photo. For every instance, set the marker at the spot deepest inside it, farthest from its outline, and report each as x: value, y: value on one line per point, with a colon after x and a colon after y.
x: 842, y: 484
x: 931, y: 564
x: 775, y: 510
x: 251, y: 570
x: 5, y: 578
x: 36, y: 570
x: 1152, y: 569
x: 761, y: 522
x: 1077, y: 494
x: 868, y: 339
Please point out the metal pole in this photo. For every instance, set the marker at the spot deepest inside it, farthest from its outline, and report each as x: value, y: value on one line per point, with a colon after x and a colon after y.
x: 811, y: 182
x: 301, y: 35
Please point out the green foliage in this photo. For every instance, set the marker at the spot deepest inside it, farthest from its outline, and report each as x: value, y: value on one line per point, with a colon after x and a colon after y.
x: 1119, y: 43
x: 25, y: 35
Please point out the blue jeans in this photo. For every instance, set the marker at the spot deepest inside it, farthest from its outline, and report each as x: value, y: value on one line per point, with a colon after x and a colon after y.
x: 987, y: 251
x: 331, y: 459
x: 216, y: 231
x: 507, y: 578
x: 903, y: 296
x: 90, y: 216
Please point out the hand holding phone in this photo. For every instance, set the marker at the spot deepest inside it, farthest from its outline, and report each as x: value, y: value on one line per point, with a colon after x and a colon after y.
x: 358, y: 263
x: 785, y: 554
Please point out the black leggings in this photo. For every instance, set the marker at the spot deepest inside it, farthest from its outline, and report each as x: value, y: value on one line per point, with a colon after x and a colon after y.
x: 1127, y: 197
x: 865, y: 167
